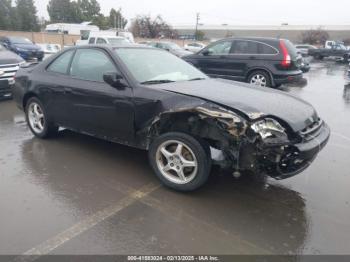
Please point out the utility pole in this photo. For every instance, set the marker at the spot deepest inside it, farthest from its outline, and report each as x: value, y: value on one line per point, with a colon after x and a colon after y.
x: 197, y: 21
x: 115, y: 21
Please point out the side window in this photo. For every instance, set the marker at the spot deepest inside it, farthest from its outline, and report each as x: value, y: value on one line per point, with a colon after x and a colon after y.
x: 101, y: 41
x: 92, y: 40
x: 245, y: 47
x: 223, y: 47
x: 60, y: 65
x: 91, y: 64
x: 266, y: 49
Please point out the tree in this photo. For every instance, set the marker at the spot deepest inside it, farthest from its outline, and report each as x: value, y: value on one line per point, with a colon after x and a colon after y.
x: 145, y: 26
x: 62, y: 11
x: 5, y: 15
x: 26, y: 15
x: 89, y: 9
x: 315, y: 37
x: 116, y: 19
x: 101, y: 21
x: 199, y: 35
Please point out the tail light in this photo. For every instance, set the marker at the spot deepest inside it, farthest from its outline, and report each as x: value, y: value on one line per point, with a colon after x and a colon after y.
x: 286, y: 62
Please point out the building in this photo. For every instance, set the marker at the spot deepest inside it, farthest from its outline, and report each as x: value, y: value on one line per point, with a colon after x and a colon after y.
x: 291, y: 32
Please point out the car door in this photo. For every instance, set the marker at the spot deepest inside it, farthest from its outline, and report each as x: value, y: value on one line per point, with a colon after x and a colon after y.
x: 52, y: 88
x: 214, y: 61
x: 96, y: 107
x: 245, y: 55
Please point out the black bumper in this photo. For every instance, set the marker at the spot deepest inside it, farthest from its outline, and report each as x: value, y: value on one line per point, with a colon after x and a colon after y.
x: 287, y: 79
x: 305, y: 153
x: 5, y: 89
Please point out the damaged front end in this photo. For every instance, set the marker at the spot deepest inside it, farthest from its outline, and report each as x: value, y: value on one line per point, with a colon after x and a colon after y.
x: 256, y: 143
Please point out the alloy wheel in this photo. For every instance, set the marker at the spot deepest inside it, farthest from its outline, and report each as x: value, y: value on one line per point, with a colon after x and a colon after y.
x: 36, y: 117
x: 176, y: 162
x: 258, y: 80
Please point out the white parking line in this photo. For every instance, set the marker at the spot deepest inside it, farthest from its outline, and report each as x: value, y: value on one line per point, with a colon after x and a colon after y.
x: 86, y: 224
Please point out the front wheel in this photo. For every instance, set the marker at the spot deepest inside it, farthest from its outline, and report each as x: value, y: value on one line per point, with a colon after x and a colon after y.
x: 180, y: 161
x: 38, y: 120
x: 259, y: 78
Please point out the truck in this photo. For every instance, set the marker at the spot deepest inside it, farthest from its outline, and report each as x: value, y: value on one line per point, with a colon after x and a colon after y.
x: 331, y: 49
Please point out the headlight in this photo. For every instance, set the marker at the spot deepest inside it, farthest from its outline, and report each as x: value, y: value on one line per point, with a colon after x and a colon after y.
x: 269, y: 127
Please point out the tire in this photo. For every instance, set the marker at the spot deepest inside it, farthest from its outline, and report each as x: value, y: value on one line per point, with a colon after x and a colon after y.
x: 184, y: 168
x: 319, y: 57
x: 38, y: 121
x: 346, y: 58
x: 259, y: 78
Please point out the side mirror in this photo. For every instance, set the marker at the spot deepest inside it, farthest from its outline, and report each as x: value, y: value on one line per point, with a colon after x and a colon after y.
x: 206, y: 52
x: 5, y: 45
x: 114, y: 79
x: 167, y: 49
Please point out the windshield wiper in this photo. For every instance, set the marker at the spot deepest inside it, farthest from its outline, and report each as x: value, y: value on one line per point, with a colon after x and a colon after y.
x: 196, y: 79
x: 153, y: 82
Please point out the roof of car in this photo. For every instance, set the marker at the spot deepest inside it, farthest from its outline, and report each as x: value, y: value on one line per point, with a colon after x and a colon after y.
x: 256, y: 38
x: 116, y: 46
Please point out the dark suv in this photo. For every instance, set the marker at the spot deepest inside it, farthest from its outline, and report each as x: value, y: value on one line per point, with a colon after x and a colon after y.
x: 260, y: 61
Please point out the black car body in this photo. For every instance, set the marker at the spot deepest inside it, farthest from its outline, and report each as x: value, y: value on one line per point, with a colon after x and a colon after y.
x: 22, y: 47
x: 337, y: 50
x: 254, y: 128
x: 261, y: 61
x: 9, y: 64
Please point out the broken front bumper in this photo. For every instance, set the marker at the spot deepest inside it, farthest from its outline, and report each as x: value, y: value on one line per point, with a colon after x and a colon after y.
x: 302, y: 155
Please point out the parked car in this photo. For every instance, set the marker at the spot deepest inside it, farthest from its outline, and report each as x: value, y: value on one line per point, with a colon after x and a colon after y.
x: 107, y: 40
x: 23, y: 47
x: 49, y: 49
x: 305, y: 66
x: 337, y: 50
x: 304, y: 49
x: 194, y: 47
x: 171, y: 47
x: 260, y: 61
x: 149, y: 99
x: 9, y: 64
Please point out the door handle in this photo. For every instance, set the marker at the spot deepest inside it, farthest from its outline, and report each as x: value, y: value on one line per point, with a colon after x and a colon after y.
x: 252, y: 57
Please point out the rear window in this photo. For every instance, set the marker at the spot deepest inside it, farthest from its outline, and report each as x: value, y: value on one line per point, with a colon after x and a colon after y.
x: 267, y: 50
x: 291, y: 48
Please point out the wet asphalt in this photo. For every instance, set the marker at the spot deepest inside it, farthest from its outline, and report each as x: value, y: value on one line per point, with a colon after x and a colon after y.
x: 79, y: 195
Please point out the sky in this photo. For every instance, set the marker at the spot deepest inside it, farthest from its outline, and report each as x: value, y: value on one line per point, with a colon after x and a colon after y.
x: 232, y: 12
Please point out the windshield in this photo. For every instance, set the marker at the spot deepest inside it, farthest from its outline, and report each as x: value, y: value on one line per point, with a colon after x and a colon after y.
x: 118, y: 41
x: 149, y: 65
x: 20, y: 40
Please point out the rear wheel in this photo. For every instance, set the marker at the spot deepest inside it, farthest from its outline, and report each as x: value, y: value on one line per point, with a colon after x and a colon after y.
x: 259, y: 78
x: 37, y: 119
x: 319, y: 57
x: 180, y: 161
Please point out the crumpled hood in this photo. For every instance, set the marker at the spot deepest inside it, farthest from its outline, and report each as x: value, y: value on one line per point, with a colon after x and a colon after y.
x: 8, y: 57
x: 251, y: 101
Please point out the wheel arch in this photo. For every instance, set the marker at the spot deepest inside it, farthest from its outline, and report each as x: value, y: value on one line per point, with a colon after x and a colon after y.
x: 26, y: 97
x: 255, y: 69
x: 217, y: 128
